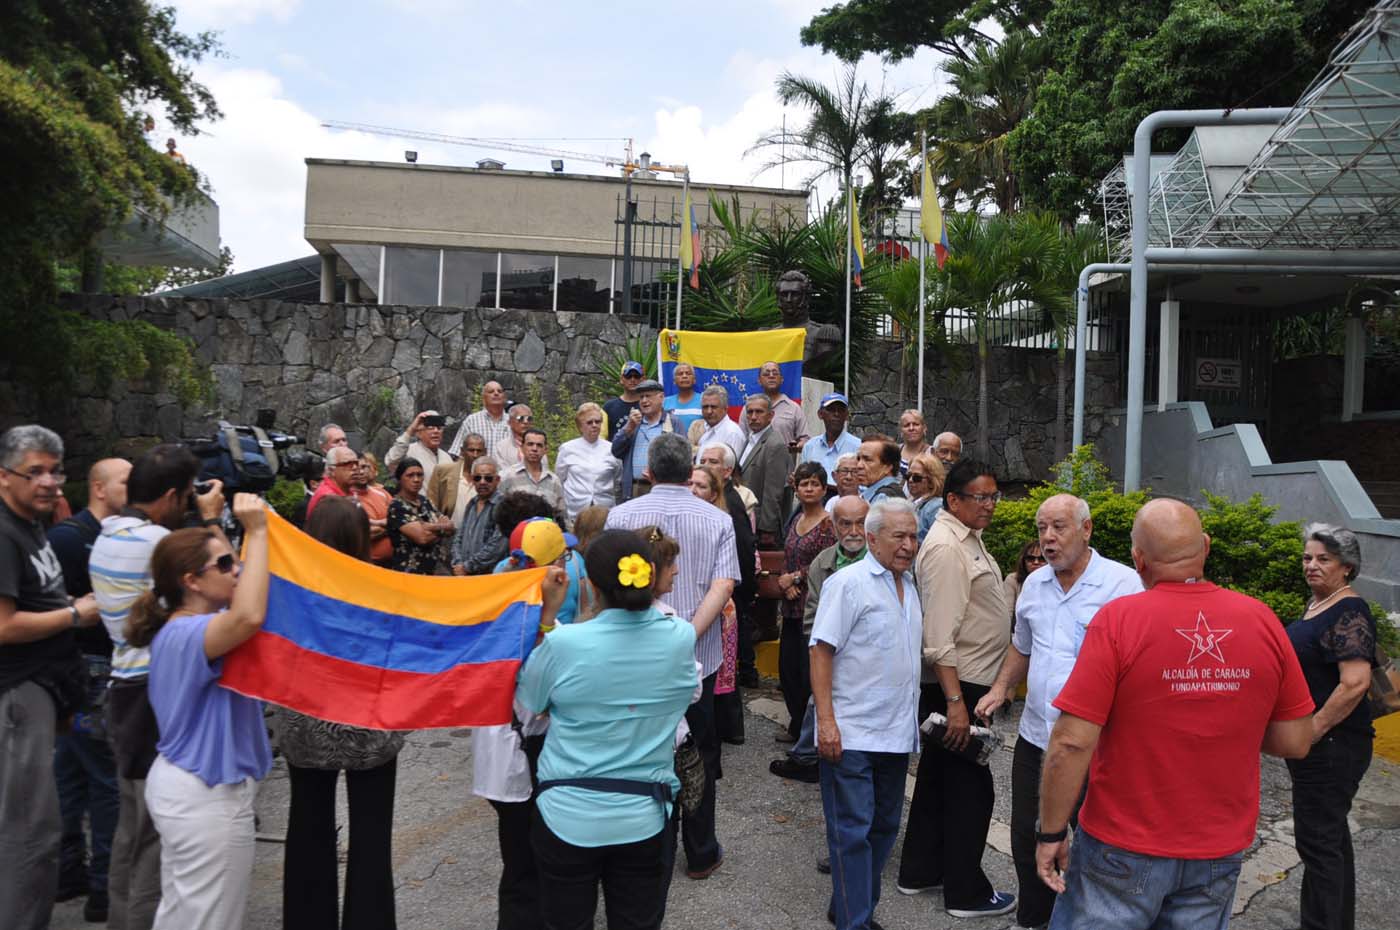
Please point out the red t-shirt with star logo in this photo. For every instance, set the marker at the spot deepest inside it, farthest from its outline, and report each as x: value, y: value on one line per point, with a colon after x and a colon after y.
x: 1184, y: 679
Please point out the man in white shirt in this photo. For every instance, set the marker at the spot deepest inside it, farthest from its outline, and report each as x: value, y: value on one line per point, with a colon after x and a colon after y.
x: 1053, y: 610
x: 422, y: 441
x: 714, y: 424
x: 865, y: 650
x: 489, y: 422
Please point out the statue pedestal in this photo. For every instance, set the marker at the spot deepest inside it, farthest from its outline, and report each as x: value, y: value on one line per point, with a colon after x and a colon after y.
x: 812, y: 393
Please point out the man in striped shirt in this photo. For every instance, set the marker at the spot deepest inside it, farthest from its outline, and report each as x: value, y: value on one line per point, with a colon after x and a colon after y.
x: 160, y: 490
x: 707, y: 569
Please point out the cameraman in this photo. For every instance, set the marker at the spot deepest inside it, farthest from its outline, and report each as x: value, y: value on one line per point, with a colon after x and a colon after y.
x: 422, y: 441
x: 160, y: 492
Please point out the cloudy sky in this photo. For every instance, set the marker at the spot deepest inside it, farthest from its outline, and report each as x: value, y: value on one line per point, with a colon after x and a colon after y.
x: 691, y: 83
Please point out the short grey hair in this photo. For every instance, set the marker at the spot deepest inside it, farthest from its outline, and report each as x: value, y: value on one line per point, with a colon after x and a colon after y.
x: 335, y: 455
x: 19, y: 441
x: 485, y: 460
x: 883, y: 508
x: 846, y: 457
x: 325, y: 433
x: 668, y: 458
x: 724, y: 450
x: 1081, y: 509
x: 767, y: 401
x: 470, y: 436
x: 1339, y: 541
x: 716, y: 390
x: 514, y: 407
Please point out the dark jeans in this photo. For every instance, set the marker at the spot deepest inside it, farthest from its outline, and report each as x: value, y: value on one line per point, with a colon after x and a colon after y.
x: 87, y: 784
x: 698, y: 828
x: 634, y: 878
x: 729, y: 715
x: 1324, y: 784
x: 1036, y: 900
x: 862, y: 796
x: 949, y: 815
x: 519, y: 896
x: 794, y: 675
x: 309, y: 872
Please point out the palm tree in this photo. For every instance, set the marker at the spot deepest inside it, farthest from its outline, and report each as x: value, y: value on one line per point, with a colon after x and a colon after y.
x: 992, y: 92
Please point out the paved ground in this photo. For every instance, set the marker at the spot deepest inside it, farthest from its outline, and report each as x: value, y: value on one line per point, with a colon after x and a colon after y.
x: 446, y: 864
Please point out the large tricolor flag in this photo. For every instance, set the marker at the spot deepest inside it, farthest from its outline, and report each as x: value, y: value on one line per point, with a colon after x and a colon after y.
x: 931, y: 217
x: 732, y: 360
x: 691, y: 253
x: 857, y: 246
x: 353, y: 643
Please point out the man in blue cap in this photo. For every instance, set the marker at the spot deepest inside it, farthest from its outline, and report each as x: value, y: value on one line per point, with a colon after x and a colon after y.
x: 621, y: 406
x: 828, y: 448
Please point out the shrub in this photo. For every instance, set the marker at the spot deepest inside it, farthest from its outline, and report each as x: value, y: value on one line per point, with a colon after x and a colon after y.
x: 284, y: 496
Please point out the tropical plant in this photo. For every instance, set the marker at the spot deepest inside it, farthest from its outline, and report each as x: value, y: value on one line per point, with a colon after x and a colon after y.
x: 635, y: 349
x: 898, y: 285
x: 832, y: 138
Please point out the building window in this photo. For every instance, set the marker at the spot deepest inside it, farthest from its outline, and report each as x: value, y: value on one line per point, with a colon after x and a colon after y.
x: 584, y: 284
x: 527, y: 281
x: 411, y: 276
x: 468, y: 278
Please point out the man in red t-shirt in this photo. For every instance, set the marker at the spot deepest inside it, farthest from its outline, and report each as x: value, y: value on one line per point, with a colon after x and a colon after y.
x: 1174, y: 694
x: 341, y: 462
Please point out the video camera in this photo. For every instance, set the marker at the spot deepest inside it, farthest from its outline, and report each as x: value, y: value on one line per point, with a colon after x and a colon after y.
x: 250, y: 458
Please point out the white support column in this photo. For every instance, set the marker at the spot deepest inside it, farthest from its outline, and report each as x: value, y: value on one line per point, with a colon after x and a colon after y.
x: 1354, y: 368
x: 1169, y: 355
x: 352, y: 290
x: 328, y: 279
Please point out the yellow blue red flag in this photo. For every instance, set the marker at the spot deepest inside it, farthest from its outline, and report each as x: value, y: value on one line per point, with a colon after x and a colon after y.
x: 691, y: 251
x: 732, y: 360
x: 857, y: 245
x: 931, y: 222
x: 353, y: 643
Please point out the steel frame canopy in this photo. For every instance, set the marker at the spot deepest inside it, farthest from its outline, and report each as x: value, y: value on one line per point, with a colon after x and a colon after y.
x: 1323, y: 191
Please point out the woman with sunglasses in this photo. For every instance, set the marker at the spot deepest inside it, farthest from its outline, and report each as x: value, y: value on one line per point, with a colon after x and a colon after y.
x: 213, y: 747
x: 586, y: 467
x: 422, y: 537
x: 1029, y: 560
x: 925, y: 484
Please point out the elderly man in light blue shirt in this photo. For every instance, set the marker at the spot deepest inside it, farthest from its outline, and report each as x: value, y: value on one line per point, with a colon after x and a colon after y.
x: 866, y: 659
x: 827, y: 449
x: 1054, y: 608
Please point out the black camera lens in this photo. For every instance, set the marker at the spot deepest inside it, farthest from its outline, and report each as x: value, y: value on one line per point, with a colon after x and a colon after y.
x: 203, y: 487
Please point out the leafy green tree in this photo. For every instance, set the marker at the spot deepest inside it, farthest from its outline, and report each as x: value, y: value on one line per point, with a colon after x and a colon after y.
x: 77, y: 82
x: 898, y: 28
x: 1076, y: 247
x: 1111, y: 64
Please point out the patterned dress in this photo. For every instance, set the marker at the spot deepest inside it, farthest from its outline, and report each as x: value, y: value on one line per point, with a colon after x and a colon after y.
x: 801, y: 550
x: 409, y: 556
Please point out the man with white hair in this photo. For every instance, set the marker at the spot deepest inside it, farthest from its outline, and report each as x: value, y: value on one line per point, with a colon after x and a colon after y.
x: 341, y: 462
x: 1056, y: 604
x: 947, y: 448
x: 714, y: 424
x: 331, y: 436
x: 865, y: 650
x: 846, y: 477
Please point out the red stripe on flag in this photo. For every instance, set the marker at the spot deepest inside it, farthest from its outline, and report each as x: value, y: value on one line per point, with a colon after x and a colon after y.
x: 272, y: 668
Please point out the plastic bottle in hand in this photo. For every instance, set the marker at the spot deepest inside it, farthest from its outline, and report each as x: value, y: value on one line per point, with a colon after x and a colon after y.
x: 983, y: 742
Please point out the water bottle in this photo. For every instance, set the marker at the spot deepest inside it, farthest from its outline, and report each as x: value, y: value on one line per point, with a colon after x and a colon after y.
x: 984, y: 742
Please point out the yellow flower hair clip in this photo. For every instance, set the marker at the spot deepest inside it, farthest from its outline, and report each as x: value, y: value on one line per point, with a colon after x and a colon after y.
x: 633, y: 571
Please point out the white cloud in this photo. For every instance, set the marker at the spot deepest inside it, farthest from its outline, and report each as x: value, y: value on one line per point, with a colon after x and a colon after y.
x: 220, y: 14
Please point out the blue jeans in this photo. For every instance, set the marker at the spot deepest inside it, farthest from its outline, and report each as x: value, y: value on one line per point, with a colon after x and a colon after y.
x: 87, y: 784
x: 1111, y: 887
x: 862, y: 798
x: 804, y: 751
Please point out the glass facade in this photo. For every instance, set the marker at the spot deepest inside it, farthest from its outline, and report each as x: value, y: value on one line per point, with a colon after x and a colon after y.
x: 468, y: 278
x: 585, y: 284
x: 527, y: 281
x: 411, y: 276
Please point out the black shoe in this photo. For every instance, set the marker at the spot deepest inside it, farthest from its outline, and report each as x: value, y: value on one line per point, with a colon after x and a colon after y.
x: 95, y: 910
x: 831, y: 919
x: 824, y: 865
x: 797, y: 771
x: 748, y: 679
x: 733, y: 740
x: 72, y: 884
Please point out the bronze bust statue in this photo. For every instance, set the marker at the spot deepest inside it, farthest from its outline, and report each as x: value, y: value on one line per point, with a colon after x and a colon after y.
x: 794, y: 302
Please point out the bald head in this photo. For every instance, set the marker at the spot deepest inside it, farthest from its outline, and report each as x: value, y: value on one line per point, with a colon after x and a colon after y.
x: 107, y: 487
x: 1168, y: 542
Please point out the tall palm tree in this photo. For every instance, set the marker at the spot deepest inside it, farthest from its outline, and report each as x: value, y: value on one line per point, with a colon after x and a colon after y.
x: 992, y: 91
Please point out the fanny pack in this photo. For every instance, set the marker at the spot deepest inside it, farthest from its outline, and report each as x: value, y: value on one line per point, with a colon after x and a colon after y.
x: 657, y: 791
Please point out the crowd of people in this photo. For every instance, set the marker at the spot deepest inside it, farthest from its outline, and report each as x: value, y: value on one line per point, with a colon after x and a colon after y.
x: 669, y: 532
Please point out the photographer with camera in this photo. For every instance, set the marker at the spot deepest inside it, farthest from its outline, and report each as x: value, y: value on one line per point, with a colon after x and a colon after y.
x: 160, y: 493
x: 422, y: 441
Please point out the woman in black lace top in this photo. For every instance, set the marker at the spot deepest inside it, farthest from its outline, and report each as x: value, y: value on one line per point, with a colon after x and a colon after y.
x: 1336, y: 644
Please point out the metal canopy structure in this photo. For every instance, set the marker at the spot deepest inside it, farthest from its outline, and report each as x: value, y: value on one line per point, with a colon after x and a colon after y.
x: 1322, y: 190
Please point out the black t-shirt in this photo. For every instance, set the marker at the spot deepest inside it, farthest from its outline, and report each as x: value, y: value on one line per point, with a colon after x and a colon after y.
x: 72, y: 540
x: 32, y: 577
x: 1346, y: 630
x: 617, y: 410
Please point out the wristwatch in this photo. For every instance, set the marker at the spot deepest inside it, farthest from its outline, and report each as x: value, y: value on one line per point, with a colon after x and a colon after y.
x: 77, y: 617
x: 953, y: 698
x: 1057, y: 837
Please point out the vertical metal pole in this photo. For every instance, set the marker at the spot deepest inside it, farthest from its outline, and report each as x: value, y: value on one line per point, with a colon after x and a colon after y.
x: 555, y: 286
x: 627, y: 244
x: 383, y: 260
x: 923, y: 263
x: 442, y: 260
x: 850, y: 220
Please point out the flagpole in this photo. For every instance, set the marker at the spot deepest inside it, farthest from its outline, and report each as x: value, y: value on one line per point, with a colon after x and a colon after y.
x: 850, y: 219
x: 923, y: 263
x: 685, y: 231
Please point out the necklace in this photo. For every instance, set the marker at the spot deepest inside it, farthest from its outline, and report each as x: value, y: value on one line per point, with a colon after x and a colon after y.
x: 1314, y: 604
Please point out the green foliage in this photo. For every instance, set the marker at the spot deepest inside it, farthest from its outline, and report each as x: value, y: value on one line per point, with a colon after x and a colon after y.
x: 135, y: 280
x: 377, y: 408
x: 895, y: 29
x: 128, y: 349
x: 554, y: 416
x: 285, y: 495
x: 608, y: 382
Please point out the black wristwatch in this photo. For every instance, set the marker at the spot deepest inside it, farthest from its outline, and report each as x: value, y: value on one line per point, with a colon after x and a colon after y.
x: 1051, y: 838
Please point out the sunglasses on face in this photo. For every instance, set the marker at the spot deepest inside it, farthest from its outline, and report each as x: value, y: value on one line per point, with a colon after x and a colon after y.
x: 483, y: 479
x: 1035, y: 558
x: 522, y: 418
x: 224, y: 563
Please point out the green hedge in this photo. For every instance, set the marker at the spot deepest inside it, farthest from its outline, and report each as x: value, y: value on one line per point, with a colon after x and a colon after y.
x: 1248, y: 552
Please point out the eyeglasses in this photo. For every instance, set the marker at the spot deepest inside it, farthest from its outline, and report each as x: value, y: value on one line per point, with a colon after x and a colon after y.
x: 592, y: 422
x: 845, y: 471
x: 523, y: 418
x: 981, y: 499
x: 483, y: 479
x: 1035, y: 558
x: 225, y: 563
x: 919, y: 478
x: 56, y: 474
x: 346, y: 465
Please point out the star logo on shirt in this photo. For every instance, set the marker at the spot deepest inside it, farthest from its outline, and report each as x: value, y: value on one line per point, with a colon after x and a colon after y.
x: 1204, y: 640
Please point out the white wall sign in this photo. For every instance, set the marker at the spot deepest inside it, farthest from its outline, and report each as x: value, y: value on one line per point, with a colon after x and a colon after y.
x: 1220, y: 373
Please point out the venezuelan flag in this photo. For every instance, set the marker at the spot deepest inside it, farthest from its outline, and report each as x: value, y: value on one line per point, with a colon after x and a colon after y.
x: 732, y: 360
x: 857, y: 245
x: 353, y: 643
x: 691, y: 250
x: 931, y: 222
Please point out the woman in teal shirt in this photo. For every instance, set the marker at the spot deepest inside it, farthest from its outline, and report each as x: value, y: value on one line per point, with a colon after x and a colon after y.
x: 615, y: 689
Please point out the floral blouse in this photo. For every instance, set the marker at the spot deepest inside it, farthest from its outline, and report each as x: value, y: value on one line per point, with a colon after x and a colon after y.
x: 408, y: 555
x: 801, y: 550
x: 1346, y: 630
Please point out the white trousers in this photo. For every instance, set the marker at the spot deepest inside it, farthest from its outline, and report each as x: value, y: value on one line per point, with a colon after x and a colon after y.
x: 206, y: 855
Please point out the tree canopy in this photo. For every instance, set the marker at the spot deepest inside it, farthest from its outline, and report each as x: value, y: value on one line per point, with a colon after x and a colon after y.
x: 77, y: 83
x: 898, y: 28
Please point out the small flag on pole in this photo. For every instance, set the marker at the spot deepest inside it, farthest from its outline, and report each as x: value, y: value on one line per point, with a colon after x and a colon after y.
x: 931, y: 218
x: 690, y: 241
x: 857, y: 247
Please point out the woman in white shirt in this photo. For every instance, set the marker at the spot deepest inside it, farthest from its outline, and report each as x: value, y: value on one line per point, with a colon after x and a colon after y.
x: 586, y: 467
